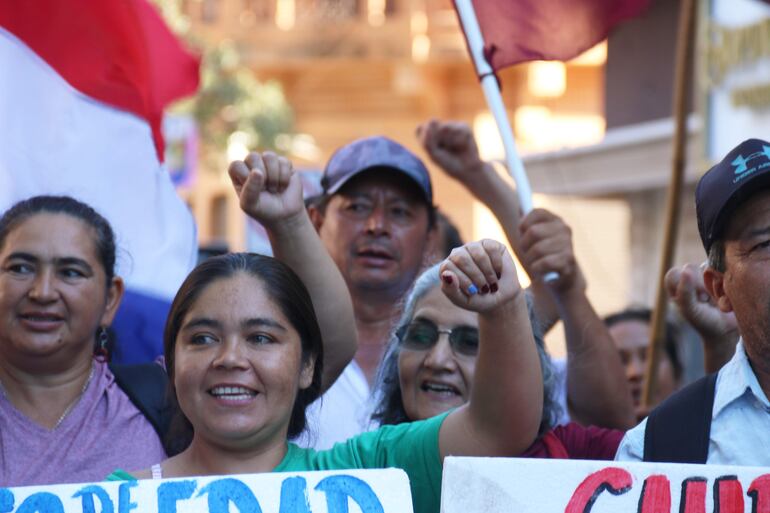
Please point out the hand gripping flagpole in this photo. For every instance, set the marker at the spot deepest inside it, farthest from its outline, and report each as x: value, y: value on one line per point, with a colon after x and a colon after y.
x: 495, y: 103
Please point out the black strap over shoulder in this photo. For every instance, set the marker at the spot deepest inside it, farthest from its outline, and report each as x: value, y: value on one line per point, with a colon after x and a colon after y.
x: 678, y: 430
x: 145, y: 384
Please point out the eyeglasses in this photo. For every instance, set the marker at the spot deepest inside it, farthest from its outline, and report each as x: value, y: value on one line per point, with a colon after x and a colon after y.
x: 422, y: 335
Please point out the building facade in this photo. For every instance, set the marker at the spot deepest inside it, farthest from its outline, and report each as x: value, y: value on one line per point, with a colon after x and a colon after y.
x: 596, y: 132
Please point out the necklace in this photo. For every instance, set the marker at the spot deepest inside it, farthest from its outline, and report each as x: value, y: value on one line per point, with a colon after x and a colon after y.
x: 76, y: 400
x: 71, y: 405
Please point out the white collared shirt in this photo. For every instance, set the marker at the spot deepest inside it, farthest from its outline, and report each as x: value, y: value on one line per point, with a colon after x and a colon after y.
x: 740, y: 425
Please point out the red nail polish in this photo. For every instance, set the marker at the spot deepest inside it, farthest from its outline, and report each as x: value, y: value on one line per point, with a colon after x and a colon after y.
x: 447, y: 279
x: 498, y: 276
x: 494, y: 287
x: 485, y: 289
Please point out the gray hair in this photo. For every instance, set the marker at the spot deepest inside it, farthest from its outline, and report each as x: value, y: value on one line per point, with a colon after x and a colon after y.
x: 387, y: 388
x: 716, y: 256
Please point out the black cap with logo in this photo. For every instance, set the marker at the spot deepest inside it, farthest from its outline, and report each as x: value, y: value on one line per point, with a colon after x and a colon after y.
x: 744, y: 171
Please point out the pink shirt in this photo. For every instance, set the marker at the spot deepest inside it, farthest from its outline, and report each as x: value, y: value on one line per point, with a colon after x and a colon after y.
x: 104, y: 431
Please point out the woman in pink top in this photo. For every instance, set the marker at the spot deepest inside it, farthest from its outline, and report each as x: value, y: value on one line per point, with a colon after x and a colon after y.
x: 62, y: 416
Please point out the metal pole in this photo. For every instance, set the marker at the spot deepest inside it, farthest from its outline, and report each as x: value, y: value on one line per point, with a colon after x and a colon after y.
x: 497, y: 108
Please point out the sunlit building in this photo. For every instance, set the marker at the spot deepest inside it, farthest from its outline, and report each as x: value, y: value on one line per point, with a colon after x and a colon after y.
x: 596, y: 132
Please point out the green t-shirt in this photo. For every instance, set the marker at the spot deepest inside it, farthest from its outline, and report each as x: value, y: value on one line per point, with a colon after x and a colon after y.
x: 412, y: 446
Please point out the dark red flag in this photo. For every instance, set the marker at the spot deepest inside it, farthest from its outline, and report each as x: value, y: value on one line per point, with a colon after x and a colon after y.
x: 526, y: 30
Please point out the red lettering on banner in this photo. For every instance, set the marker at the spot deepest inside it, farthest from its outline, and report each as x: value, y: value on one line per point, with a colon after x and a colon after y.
x: 728, y: 495
x: 759, y: 491
x: 656, y: 495
x: 615, y: 480
x: 693, y: 498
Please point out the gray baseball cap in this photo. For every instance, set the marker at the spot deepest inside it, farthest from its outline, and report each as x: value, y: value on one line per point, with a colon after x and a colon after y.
x: 375, y: 152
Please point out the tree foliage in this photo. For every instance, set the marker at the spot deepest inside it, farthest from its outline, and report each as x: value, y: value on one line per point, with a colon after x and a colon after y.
x: 231, y: 100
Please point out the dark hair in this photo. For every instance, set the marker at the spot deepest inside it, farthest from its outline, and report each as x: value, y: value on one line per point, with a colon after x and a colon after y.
x: 104, y: 238
x: 289, y: 294
x: 450, y: 235
x: 389, y: 407
x: 644, y: 315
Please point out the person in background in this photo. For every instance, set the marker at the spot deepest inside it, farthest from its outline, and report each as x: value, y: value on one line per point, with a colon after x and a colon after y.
x: 596, y: 389
x: 377, y: 221
x: 630, y: 330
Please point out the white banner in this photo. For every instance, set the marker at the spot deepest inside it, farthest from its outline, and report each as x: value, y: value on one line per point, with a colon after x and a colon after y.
x: 496, y: 485
x: 736, y: 73
x: 350, y: 491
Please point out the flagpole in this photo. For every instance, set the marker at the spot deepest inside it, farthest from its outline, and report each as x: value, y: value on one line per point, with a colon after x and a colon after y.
x: 682, y: 87
x: 497, y: 108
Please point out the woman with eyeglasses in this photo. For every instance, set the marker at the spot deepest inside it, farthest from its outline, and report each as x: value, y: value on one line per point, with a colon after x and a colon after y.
x: 430, y: 367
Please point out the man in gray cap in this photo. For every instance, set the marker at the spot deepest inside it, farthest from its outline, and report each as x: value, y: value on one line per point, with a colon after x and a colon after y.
x: 725, y: 418
x: 377, y: 220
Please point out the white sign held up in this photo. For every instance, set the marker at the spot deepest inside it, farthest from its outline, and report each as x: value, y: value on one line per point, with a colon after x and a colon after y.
x: 350, y: 491
x: 497, y: 485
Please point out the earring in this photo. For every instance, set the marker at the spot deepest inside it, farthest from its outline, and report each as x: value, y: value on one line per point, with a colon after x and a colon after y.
x: 102, y: 337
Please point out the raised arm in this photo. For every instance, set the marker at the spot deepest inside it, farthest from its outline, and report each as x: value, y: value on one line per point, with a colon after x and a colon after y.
x: 718, y: 329
x: 271, y: 193
x: 451, y: 146
x: 597, y: 390
x: 506, y: 400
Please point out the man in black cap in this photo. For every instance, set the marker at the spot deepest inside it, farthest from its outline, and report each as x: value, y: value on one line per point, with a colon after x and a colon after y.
x: 376, y: 218
x: 725, y: 418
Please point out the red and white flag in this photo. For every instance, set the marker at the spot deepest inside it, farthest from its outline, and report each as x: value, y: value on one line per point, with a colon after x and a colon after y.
x: 82, y: 91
